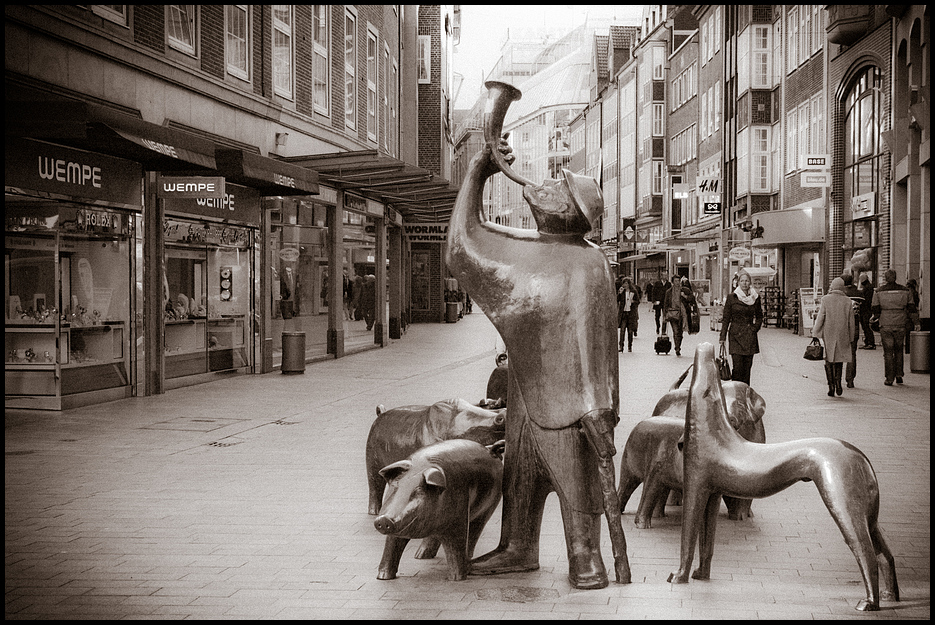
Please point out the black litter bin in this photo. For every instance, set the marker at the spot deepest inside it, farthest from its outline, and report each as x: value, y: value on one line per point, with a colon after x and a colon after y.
x: 293, y: 352
x: 451, y: 312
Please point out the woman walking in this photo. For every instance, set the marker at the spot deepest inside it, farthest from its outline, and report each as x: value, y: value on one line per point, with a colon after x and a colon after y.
x: 835, y: 325
x: 742, y: 318
x: 628, y: 316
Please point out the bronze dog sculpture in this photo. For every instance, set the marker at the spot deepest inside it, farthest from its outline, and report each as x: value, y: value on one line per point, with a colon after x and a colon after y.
x: 651, y: 456
x: 719, y: 461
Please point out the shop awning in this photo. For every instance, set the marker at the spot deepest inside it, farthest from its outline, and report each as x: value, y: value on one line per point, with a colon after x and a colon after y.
x: 269, y: 176
x: 107, y: 131
x: 635, y: 257
x: 759, y: 272
x: 417, y: 193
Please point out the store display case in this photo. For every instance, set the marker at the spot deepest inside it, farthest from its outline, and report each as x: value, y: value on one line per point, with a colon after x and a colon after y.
x: 67, y: 309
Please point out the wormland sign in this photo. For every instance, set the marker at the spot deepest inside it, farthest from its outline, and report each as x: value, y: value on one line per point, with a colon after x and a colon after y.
x: 427, y: 232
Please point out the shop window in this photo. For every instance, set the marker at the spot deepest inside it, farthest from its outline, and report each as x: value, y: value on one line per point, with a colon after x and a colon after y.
x: 208, y: 294
x: 67, y: 302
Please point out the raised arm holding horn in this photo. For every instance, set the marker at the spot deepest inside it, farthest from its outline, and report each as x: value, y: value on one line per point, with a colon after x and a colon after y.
x: 550, y: 294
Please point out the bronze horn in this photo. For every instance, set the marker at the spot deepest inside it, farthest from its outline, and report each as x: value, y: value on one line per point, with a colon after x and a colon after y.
x: 499, y: 98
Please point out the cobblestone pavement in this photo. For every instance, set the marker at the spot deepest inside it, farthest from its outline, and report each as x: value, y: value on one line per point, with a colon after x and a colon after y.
x: 246, y: 498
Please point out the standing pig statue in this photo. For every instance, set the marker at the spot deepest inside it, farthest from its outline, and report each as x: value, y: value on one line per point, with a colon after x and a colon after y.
x: 398, y: 432
x: 652, y: 455
x: 446, y: 492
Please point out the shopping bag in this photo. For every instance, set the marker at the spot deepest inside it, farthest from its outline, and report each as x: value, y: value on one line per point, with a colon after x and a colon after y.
x: 814, y: 350
x: 722, y: 367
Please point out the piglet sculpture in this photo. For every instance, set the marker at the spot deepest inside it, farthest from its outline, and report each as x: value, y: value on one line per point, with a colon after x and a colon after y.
x: 719, y: 461
x: 398, y: 432
x: 652, y: 457
x: 446, y: 491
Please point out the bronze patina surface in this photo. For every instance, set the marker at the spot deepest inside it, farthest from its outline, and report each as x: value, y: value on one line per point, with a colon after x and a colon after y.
x: 551, y: 296
x: 719, y: 461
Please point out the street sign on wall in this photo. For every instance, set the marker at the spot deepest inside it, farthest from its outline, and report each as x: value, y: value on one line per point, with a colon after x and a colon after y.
x: 815, y: 179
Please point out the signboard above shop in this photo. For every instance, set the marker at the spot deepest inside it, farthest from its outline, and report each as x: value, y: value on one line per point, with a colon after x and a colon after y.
x: 240, y: 204
x: 190, y: 187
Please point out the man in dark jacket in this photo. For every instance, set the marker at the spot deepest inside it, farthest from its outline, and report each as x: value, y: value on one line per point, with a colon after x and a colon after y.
x: 850, y: 370
x: 866, y: 292
x: 893, y: 303
x: 659, y: 292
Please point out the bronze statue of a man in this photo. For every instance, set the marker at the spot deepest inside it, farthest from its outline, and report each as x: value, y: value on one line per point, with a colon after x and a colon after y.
x: 550, y: 294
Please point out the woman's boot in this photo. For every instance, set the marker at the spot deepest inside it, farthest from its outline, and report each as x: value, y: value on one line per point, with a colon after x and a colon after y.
x: 838, y: 370
x: 829, y: 376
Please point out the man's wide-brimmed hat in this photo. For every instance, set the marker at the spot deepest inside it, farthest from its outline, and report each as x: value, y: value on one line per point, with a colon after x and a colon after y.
x: 587, y: 195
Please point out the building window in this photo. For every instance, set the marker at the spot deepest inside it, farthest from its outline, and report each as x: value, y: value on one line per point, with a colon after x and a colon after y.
x: 759, y: 175
x: 817, y: 132
x: 425, y: 58
x: 237, y: 28
x: 657, y: 177
x: 792, y: 155
x: 802, y: 141
x: 116, y: 13
x: 371, y: 85
x: 761, y: 79
x: 394, y: 107
x: 659, y: 62
x: 282, y: 50
x: 350, y: 69
x: 180, y: 27
x: 658, y: 119
x: 792, y: 39
x: 863, y: 152
x: 385, y: 111
x: 320, y: 66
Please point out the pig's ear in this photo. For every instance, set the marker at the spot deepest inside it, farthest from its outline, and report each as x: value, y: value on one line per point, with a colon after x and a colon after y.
x: 435, y: 477
x: 393, y: 471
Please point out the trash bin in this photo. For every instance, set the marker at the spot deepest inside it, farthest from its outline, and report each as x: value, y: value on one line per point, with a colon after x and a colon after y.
x: 451, y: 312
x: 919, y: 351
x: 293, y: 352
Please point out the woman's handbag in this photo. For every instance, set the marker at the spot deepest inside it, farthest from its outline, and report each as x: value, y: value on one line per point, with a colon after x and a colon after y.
x: 814, y: 350
x: 722, y: 367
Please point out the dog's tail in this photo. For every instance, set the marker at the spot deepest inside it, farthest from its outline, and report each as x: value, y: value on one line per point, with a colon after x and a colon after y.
x: 681, y: 379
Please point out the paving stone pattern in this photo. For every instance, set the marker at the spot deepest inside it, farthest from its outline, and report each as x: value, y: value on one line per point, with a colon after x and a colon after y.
x: 247, y: 498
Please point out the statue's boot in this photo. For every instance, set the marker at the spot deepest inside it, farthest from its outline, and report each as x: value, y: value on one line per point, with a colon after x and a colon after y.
x: 519, y: 537
x: 585, y: 566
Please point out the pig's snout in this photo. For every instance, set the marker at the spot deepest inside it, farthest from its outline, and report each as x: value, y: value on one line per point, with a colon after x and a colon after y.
x: 500, y: 419
x: 385, y: 525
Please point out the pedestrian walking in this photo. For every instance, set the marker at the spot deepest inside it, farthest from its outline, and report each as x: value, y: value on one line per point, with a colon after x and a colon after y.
x: 659, y: 292
x: 740, y: 322
x: 676, y: 314
x: 692, y: 321
x: 857, y: 301
x: 866, y: 291
x: 628, y: 316
x: 893, y: 303
x: 835, y: 326
x: 913, y: 287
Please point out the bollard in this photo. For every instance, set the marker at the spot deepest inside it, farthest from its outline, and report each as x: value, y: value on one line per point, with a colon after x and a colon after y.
x: 293, y: 352
x: 919, y: 343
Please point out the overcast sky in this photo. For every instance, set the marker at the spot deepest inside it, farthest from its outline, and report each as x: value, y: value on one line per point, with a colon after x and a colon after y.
x: 484, y: 28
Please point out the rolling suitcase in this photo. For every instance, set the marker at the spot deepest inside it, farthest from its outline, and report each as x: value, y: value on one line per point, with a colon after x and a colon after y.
x: 663, y: 345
